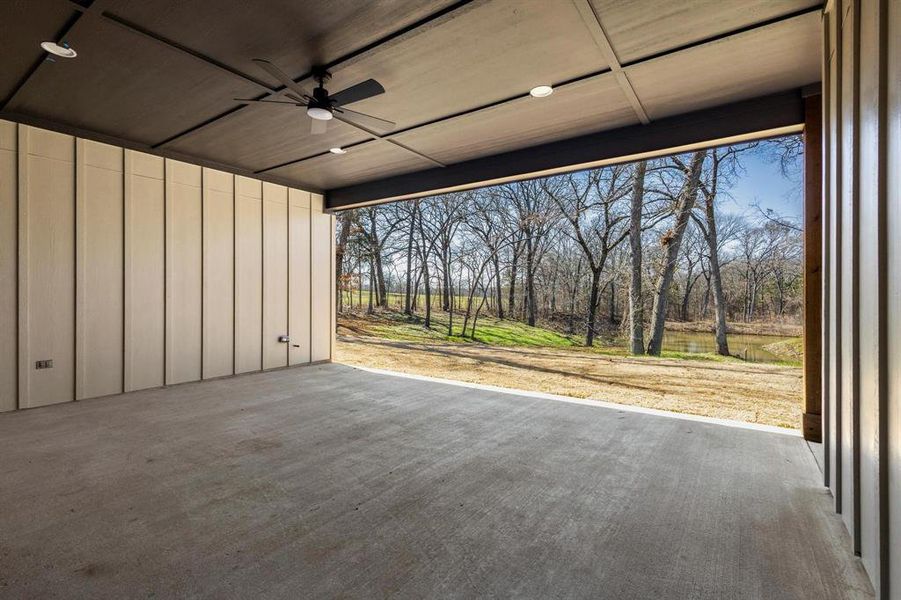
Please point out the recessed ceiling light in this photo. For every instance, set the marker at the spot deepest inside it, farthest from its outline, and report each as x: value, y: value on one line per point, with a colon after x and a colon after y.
x: 337, y: 150
x: 63, y: 50
x: 541, y: 91
x: 319, y: 113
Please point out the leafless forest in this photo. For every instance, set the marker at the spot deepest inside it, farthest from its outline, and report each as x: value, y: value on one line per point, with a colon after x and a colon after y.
x: 612, y: 252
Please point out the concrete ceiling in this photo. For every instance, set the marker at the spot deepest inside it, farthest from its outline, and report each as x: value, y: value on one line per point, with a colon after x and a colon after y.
x: 162, y: 76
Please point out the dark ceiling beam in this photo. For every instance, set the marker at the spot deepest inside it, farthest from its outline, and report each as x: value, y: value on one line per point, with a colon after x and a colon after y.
x: 774, y: 113
x: 347, y: 59
x: 619, y: 73
x: 593, y: 22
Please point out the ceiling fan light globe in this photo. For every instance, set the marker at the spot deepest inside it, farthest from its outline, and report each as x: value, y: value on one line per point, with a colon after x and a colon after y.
x: 320, y: 114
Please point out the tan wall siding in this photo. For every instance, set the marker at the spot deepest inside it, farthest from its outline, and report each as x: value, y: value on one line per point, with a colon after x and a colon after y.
x: 218, y: 273
x: 863, y: 297
x: 100, y: 269
x: 129, y: 271
x: 299, y: 276
x: 184, y: 300
x: 145, y: 271
x: 322, y: 229
x: 275, y: 275
x: 248, y: 275
x: 46, y: 266
x: 8, y: 267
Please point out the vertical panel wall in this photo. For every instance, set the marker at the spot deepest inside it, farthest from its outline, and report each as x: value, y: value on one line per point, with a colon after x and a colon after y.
x: 145, y: 271
x: 890, y: 398
x: 890, y: 348
x: 46, y: 197
x: 868, y: 216
x: 299, y: 276
x: 8, y: 268
x: 321, y: 276
x: 848, y: 223
x: 862, y: 299
x: 184, y: 264
x: 129, y: 271
x: 218, y: 273
x: 275, y: 275
x: 248, y: 275
x: 100, y: 269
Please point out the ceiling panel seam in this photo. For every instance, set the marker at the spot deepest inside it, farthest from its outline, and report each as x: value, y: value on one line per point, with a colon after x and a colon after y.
x: 593, y: 22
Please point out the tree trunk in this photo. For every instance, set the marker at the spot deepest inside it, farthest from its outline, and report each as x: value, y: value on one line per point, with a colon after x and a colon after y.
x: 716, y: 283
x: 408, y: 292
x: 636, y: 303
x: 345, y: 221
x: 686, y: 202
x: 612, y: 305
x: 497, y: 282
x: 371, y: 273
x: 592, y: 306
x: 511, y: 299
x: 530, y: 282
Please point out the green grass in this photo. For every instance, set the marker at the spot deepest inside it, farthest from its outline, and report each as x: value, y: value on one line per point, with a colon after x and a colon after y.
x: 489, y: 330
x: 395, y: 326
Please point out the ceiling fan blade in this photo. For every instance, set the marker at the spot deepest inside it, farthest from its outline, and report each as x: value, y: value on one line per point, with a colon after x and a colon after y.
x: 355, y: 93
x: 281, y: 76
x: 269, y: 101
x: 296, y: 98
x: 358, y: 118
x: 318, y: 126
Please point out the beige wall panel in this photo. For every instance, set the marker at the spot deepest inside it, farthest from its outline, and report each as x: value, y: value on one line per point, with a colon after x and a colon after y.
x: 8, y: 270
x: 100, y: 272
x: 145, y: 283
x: 848, y: 316
x: 184, y: 265
x: 893, y: 285
x: 321, y: 275
x: 218, y: 273
x: 834, y: 233
x: 299, y: 276
x: 868, y: 307
x: 248, y: 275
x: 275, y: 275
x: 46, y: 181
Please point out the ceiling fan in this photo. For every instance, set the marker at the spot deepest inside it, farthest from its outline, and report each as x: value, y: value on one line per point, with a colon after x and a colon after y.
x: 321, y: 106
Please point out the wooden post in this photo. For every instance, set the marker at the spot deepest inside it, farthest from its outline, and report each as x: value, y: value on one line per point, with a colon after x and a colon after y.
x: 813, y: 261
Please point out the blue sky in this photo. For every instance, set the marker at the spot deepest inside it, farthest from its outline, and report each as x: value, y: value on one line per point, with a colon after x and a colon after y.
x: 763, y: 184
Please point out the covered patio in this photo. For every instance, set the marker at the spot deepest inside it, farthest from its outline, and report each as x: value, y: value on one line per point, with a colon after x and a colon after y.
x: 329, y: 481
x: 169, y: 176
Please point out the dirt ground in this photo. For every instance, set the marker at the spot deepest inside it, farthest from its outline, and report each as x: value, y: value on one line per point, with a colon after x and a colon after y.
x: 750, y: 392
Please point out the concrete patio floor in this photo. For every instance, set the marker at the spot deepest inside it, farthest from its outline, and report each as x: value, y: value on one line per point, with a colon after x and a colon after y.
x: 329, y: 481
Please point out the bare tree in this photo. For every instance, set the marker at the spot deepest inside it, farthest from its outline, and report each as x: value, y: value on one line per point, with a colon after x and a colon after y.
x: 672, y: 241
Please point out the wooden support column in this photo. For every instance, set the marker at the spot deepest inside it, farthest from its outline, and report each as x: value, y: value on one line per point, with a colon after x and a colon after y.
x: 813, y: 261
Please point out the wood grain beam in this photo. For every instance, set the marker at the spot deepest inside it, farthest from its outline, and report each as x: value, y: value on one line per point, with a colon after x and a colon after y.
x: 813, y: 269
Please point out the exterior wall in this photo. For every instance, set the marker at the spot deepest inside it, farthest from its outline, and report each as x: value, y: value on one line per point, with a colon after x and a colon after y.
x: 130, y: 271
x: 862, y: 296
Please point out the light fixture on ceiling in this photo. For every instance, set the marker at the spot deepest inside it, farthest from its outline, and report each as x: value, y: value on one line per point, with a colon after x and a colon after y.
x: 319, y: 113
x: 337, y: 150
x: 62, y: 50
x: 541, y: 91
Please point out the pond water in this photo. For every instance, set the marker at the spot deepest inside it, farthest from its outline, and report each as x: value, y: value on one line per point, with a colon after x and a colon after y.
x: 749, y: 347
